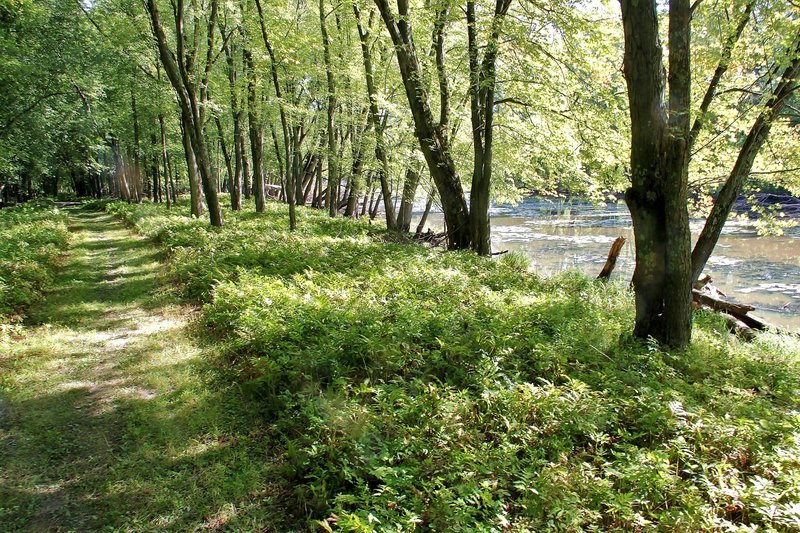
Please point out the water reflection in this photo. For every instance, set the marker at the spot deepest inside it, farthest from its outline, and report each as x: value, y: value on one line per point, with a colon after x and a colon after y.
x: 556, y: 236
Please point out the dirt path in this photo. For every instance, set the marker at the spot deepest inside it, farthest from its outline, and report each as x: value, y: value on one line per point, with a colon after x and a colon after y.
x: 108, y: 417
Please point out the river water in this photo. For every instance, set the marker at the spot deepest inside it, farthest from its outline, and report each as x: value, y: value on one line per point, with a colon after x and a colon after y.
x: 558, y: 235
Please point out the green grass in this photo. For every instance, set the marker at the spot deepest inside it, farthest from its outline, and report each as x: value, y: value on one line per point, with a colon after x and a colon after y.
x: 330, y: 379
x: 109, y: 417
x: 410, y: 389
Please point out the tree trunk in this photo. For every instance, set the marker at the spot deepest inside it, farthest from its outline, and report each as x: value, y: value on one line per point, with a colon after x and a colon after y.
x: 333, y: 162
x: 432, y: 137
x: 657, y: 198
x: 165, y: 159
x: 195, y: 194
x: 756, y: 138
x: 256, y: 139
x: 425, y: 213
x: 137, y: 179
x: 376, y: 123
x: 183, y: 76
x: 407, y: 202
x: 482, y: 85
x: 290, y: 196
x: 234, y: 180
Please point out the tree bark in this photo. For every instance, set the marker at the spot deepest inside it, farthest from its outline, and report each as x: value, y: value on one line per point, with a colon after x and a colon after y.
x: 182, y: 73
x: 256, y: 139
x: 482, y: 85
x: 195, y: 193
x: 230, y: 183
x: 165, y: 160
x: 376, y: 123
x: 611, y: 261
x: 407, y: 201
x: 136, y: 150
x: 756, y: 138
x: 657, y: 197
x: 333, y: 160
x: 290, y: 196
x: 425, y: 213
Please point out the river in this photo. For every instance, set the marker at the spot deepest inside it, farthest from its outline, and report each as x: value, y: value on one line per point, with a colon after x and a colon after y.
x: 558, y: 235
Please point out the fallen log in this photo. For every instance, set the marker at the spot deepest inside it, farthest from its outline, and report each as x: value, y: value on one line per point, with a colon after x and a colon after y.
x: 738, y: 327
x: 735, y: 314
x: 704, y: 298
x: 611, y: 262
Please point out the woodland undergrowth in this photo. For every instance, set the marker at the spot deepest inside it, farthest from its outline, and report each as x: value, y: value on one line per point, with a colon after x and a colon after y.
x: 412, y: 389
x: 32, y: 238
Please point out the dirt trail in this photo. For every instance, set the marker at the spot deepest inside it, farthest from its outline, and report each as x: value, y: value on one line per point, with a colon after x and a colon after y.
x: 106, y: 417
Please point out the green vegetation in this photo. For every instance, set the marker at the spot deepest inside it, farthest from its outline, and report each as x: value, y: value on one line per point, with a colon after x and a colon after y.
x: 410, y: 389
x: 350, y: 379
x: 32, y: 237
x: 109, y: 417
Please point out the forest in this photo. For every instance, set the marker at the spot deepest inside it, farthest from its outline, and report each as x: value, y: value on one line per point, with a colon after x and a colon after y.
x: 255, y: 273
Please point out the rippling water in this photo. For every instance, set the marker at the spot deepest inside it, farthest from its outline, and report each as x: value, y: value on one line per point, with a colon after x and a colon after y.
x: 556, y: 236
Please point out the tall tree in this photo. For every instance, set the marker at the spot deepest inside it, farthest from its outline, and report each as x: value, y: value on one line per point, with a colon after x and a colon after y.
x: 483, y: 79
x: 330, y: 104
x: 432, y: 137
x: 191, y: 84
x: 468, y: 227
x: 375, y: 122
x: 774, y: 101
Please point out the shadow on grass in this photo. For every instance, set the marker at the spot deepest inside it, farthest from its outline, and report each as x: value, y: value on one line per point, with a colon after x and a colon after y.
x: 139, y: 464
x: 110, y: 271
x: 107, y: 418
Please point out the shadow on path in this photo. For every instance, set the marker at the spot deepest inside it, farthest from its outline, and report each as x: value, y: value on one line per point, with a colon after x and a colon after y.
x: 108, y: 417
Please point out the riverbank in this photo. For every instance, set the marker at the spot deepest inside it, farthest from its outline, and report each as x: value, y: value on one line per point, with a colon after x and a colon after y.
x: 332, y: 380
x: 753, y: 269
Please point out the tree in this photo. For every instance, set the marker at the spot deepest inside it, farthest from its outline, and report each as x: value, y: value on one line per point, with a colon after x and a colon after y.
x: 431, y: 135
x: 658, y: 195
x: 190, y: 85
x: 773, y: 100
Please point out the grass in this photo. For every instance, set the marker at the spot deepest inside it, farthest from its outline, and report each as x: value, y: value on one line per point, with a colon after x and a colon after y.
x: 330, y: 380
x: 32, y: 238
x: 109, y: 418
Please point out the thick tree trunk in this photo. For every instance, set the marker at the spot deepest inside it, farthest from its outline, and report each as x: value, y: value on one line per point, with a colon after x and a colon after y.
x: 657, y: 198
